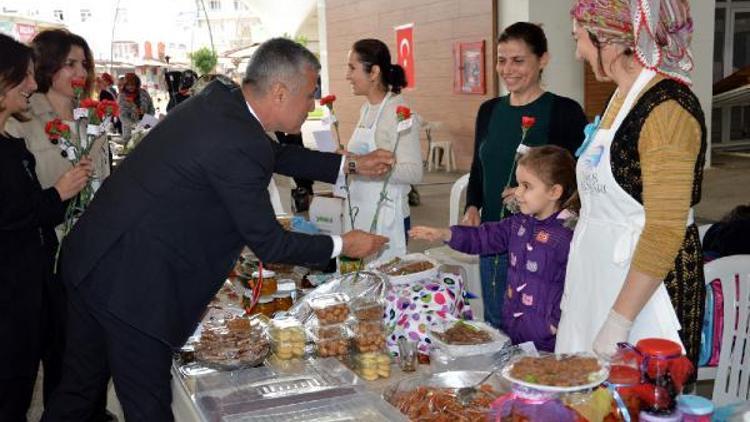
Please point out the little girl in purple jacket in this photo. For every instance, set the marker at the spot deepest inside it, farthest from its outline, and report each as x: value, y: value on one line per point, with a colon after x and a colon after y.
x: 537, y: 242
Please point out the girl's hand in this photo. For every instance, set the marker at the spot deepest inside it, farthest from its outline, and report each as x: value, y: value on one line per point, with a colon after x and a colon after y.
x: 471, y: 217
x: 70, y: 183
x: 430, y: 234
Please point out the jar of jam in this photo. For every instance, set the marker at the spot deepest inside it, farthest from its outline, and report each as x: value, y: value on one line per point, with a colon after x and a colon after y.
x: 265, y: 306
x: 282, y: 300
x: 625, y: 378
x: 268, y: 284
x: 664, y: 371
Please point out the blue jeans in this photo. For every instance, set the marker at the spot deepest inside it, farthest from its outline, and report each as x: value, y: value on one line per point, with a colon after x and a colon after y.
x: 493, y: 295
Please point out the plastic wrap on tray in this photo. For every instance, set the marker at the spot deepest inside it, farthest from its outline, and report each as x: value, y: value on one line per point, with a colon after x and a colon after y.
x: 287, y: 338
x: 365, y: 285
x: 458, y: 338
x: 406, y: 269
x: 262, y: 390
x: 331, y: 308
x: 369, y: 336
x: 232, y: 343
x: 368, y: 308
x: 359, y: 407
x: 556, y: 373
x: 433, y: 397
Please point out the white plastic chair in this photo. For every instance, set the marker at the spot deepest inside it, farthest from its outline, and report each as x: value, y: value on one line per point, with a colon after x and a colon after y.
x: 732, y: 382
x: 434, y: 157
x: 702, y: 229
x: 469, y: 263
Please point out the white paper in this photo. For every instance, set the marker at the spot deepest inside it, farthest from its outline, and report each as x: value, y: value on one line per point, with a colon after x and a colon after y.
x: 339, y: 188
x: 522, y: 149
x: 148, y: 120
x: 329, y: 120
x: 324, y: 140
x: 79, y: 113
x: 93, y: 130
x: 404, y: 124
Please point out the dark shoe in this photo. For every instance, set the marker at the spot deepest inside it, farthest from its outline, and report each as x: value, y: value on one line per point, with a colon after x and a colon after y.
x: 414, y: 199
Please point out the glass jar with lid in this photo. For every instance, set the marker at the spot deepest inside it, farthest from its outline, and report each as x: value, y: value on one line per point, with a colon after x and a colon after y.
x: 265, y: 306
x: 268, y: 283
x: 282, y: 300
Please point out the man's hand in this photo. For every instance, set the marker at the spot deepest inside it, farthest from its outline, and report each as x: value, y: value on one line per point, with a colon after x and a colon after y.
x: 374, y: 164
x: 359, y: 244
x: 471, y: 217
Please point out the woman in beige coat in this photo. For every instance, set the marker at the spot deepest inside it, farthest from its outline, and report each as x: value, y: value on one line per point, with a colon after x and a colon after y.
x: 61, y: 56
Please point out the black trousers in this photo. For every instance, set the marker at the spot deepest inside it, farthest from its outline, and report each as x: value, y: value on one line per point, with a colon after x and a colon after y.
x: 15, y: 398
x: 53, y: 339
x: 99, y: 345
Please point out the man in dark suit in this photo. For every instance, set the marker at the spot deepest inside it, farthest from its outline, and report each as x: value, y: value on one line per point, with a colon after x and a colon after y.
x: 163, y: 232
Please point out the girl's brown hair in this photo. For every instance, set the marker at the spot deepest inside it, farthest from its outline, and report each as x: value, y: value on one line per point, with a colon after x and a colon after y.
x: 51, y: 48
x: 13, y: 68
x: 555, y: 166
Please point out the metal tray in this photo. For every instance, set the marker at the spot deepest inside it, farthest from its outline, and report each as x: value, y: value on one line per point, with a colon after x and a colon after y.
x: 230, y: 394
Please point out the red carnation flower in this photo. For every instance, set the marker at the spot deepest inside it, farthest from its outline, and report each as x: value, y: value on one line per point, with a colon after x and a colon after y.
x: 328, y: 100
x: 107, y: 108
x: 89, y: 103
x: 403, y: 113
x: 56, y: 129
x: 527, y: 121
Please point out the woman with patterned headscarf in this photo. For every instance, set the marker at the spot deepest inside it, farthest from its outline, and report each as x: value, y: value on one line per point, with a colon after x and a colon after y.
x: 635, y: 268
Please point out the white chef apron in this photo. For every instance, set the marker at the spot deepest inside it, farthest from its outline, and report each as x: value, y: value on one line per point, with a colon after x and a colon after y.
x: 365, y: 193
x: 605, y: 238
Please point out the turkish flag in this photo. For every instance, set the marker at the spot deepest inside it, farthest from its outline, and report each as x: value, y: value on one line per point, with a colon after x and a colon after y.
x: 405, y: 47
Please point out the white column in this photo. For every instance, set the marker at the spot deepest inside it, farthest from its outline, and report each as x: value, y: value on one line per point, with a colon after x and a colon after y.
x: 323, y: 48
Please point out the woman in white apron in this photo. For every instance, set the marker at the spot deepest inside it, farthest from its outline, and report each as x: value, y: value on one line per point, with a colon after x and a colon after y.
x: 371, y: 74
x: 635, y: 266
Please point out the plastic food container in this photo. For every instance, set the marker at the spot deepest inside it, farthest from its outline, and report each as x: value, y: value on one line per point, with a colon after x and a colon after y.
x: 329, y: 331
x: 373, y: 365
x: 695, y: 408
x: 369, y: 336
x: 330, y: 308
x: 332, y: 347
x: 645, y: 416
x: 287, y: 338
x: 368, y: 309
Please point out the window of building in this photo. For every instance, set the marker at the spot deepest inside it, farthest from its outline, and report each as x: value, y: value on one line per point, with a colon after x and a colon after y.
x: 122, y: 15
x: 214, y: 4
x: 240, y: 5
x: 58, y: 14
x: 85, y: 15
x: 731, y: 53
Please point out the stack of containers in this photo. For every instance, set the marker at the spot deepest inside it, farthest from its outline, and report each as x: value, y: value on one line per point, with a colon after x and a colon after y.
x: 331, y: 335
x: 287, y: 338
x: 371, y: 358
x: 268, y: 288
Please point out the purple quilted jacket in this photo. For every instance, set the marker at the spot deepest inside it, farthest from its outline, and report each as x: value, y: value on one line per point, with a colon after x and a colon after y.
x: 537, y: 255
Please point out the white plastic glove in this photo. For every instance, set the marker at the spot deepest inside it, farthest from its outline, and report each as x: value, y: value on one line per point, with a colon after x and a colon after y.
x: 615, y: 329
